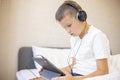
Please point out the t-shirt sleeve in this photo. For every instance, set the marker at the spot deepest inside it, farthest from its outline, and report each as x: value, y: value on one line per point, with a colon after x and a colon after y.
x: 101, y: 46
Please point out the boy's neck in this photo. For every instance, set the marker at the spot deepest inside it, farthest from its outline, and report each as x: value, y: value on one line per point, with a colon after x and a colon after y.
x: 85, y: 30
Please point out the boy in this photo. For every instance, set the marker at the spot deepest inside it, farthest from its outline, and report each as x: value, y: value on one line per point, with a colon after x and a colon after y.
x: 90, y: 46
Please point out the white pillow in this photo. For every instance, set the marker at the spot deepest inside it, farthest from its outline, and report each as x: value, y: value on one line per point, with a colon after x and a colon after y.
x: 115, y: 63
x: 56, y: 56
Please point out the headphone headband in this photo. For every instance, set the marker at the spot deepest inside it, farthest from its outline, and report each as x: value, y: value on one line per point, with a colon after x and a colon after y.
x: 69, y: 4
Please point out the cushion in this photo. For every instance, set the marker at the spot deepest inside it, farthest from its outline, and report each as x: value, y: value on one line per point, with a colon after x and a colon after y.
x: 56, y: 56
x: 25, y: 60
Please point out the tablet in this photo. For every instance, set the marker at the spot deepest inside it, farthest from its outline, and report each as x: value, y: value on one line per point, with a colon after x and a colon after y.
x: 49, y: 70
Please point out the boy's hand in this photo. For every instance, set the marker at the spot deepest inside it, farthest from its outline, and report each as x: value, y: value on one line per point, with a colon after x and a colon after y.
x: 67, y: 77
x: 73, y: 61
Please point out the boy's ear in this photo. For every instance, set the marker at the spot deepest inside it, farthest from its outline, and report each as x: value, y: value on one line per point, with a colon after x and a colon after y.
x: 81, y: 16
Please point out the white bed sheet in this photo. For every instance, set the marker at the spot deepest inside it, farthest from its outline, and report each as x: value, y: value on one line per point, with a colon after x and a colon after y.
x: 111, y: 76
x: 27, y: 74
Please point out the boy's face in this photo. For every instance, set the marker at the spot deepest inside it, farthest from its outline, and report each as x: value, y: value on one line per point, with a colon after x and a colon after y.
x: 73, y: 26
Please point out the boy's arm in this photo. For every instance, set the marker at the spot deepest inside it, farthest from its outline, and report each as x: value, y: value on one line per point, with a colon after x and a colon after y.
x: 102, y: 68
x: 69, y: 67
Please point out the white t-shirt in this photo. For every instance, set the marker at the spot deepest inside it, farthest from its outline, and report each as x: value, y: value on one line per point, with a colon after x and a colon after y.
x: 94, y: 45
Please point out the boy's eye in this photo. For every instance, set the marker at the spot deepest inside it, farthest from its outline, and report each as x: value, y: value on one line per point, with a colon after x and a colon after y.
x: 69, y: 25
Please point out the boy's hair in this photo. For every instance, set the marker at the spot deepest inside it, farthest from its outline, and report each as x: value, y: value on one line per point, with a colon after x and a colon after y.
x: 65, y: 9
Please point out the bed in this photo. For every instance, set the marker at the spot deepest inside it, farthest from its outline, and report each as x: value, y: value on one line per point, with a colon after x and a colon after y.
x: 28, y: 69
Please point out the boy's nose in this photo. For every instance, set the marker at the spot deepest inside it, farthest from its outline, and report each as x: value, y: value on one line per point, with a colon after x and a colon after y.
x: 68, y: 30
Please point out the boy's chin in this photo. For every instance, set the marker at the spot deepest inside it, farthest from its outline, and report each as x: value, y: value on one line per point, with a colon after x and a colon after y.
x: 74, y: 35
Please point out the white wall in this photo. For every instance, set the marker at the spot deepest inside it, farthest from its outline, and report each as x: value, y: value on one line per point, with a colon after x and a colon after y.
x: 32, y: 22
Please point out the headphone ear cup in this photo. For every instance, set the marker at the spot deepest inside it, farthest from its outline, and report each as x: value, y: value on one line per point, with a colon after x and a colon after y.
x: 81, y: 16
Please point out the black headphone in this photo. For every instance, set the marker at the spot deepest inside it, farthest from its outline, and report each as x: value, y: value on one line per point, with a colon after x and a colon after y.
x: 81, y: 15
